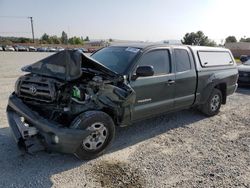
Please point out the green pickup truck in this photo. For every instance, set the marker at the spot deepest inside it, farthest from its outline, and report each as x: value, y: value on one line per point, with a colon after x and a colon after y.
x: 71, y: 103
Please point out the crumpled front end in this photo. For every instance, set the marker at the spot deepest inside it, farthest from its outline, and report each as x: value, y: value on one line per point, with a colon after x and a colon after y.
x: 45, y: 102
x: 41, y: 110
x: 32, y: 132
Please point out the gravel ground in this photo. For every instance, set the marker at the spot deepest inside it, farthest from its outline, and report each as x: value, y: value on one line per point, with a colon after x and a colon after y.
x: 182, y: 149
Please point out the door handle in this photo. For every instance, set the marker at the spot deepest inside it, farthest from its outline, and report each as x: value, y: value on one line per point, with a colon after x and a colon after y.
x: 170, y: 82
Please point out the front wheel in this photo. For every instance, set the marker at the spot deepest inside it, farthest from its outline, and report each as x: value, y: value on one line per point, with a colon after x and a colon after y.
x: 213, y: 104
x: 102, y: 131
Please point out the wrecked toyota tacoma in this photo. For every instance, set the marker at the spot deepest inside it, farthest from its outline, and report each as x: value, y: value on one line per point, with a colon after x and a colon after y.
x: 71, y: 103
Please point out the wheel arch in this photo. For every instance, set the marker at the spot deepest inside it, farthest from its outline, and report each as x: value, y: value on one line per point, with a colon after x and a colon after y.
x: 223, y: 88
x: 111, y: 113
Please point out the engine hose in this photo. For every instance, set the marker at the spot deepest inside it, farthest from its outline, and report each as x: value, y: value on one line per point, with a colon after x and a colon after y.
x: 77, y: 101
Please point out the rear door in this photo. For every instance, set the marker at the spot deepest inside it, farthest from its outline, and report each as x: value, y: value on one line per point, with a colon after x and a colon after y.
x: 154, y: 94
x: 185, y: 78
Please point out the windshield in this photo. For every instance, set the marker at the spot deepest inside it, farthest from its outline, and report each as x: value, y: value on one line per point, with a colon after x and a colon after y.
x: 117, y: 59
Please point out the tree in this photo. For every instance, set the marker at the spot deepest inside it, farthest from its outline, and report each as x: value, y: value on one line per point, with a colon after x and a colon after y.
x: 76, y: 40
x: 245, y: 40
x: 45, y: 37
x: 54, y: 40
x: 211, y: 43
x: 198, y: 39
x: 86, y: 39
x: 64, y: 38
x: 22, y: 40
x: 231, y: 39
x: 50, y: 39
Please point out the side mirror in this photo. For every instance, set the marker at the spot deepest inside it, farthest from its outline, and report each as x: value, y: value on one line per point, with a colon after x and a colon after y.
x: 143, y: 71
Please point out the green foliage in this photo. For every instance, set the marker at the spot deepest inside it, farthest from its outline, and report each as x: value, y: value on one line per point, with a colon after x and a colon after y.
x: 231, y: 39
x: 54, y: 40
x: 23, y: 40
x: 245, y: 40
x: 45, y: 37
x: 211, y: 43
x: 76, y: 40
x: 5, y: 41
x: 86, y: 39
x: 10, y: 40
x: 64, y: 38
x: 198, y: 39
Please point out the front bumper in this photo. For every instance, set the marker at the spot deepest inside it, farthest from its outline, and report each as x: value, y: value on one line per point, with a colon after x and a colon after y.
x: 51, y: 135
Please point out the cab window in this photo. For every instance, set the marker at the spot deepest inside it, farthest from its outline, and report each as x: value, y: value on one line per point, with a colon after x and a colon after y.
x: 182, y: 60
x: 159, y: 59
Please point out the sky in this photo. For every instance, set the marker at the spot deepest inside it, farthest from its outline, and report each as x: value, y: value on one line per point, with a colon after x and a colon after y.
x: 146, y: 20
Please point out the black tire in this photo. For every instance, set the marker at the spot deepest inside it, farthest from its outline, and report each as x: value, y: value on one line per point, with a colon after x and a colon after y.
x: 210, y: 108
x: 87, y: 121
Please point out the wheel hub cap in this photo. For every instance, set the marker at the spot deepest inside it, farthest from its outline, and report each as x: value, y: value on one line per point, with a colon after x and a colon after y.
x: 215, y: 103
x: 97, y: 137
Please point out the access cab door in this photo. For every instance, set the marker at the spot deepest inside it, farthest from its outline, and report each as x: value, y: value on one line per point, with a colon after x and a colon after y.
x: 154, y: 94
x: 186, y: 78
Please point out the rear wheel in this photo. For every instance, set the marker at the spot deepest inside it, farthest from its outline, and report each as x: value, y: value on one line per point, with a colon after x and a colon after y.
x: 213, y: 104
x: 102, y: 131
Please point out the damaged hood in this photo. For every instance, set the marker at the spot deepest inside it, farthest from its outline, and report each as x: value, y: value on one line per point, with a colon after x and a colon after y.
x: 67, y: 65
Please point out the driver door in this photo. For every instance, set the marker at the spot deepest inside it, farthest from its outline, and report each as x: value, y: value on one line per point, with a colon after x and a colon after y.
x: 154, y: 94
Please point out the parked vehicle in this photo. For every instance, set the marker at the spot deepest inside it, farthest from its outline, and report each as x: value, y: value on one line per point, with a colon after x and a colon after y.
x: 51, y: 49
x: 91, y: 50
x: 14, y: 46
x: 244, y: 71
x: 1, y: 48
x: 20, y: 48
x: 71, y: 103
x: 32, y: 49
x: 59, y: 49
x: 42, y: 49
x: 9, y: 48
x: 84, y: 50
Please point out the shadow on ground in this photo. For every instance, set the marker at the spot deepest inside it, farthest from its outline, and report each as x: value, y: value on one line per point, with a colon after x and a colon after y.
x: 150, y: 128
x: 36, y: 170
x: 18, y: 170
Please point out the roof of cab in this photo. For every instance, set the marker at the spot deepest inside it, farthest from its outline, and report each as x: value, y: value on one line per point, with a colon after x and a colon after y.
x: 146, y: 45
x: 140, y: 45
x: 208, y: 48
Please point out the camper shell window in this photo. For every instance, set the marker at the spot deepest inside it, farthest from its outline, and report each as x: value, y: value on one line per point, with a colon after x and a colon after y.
x: 215, y: 58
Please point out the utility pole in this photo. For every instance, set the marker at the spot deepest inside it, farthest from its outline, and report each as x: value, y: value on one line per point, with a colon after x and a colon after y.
x: 32, y: 29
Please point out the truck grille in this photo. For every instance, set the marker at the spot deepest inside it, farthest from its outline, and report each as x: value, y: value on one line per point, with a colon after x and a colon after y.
x: 36, y: 88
